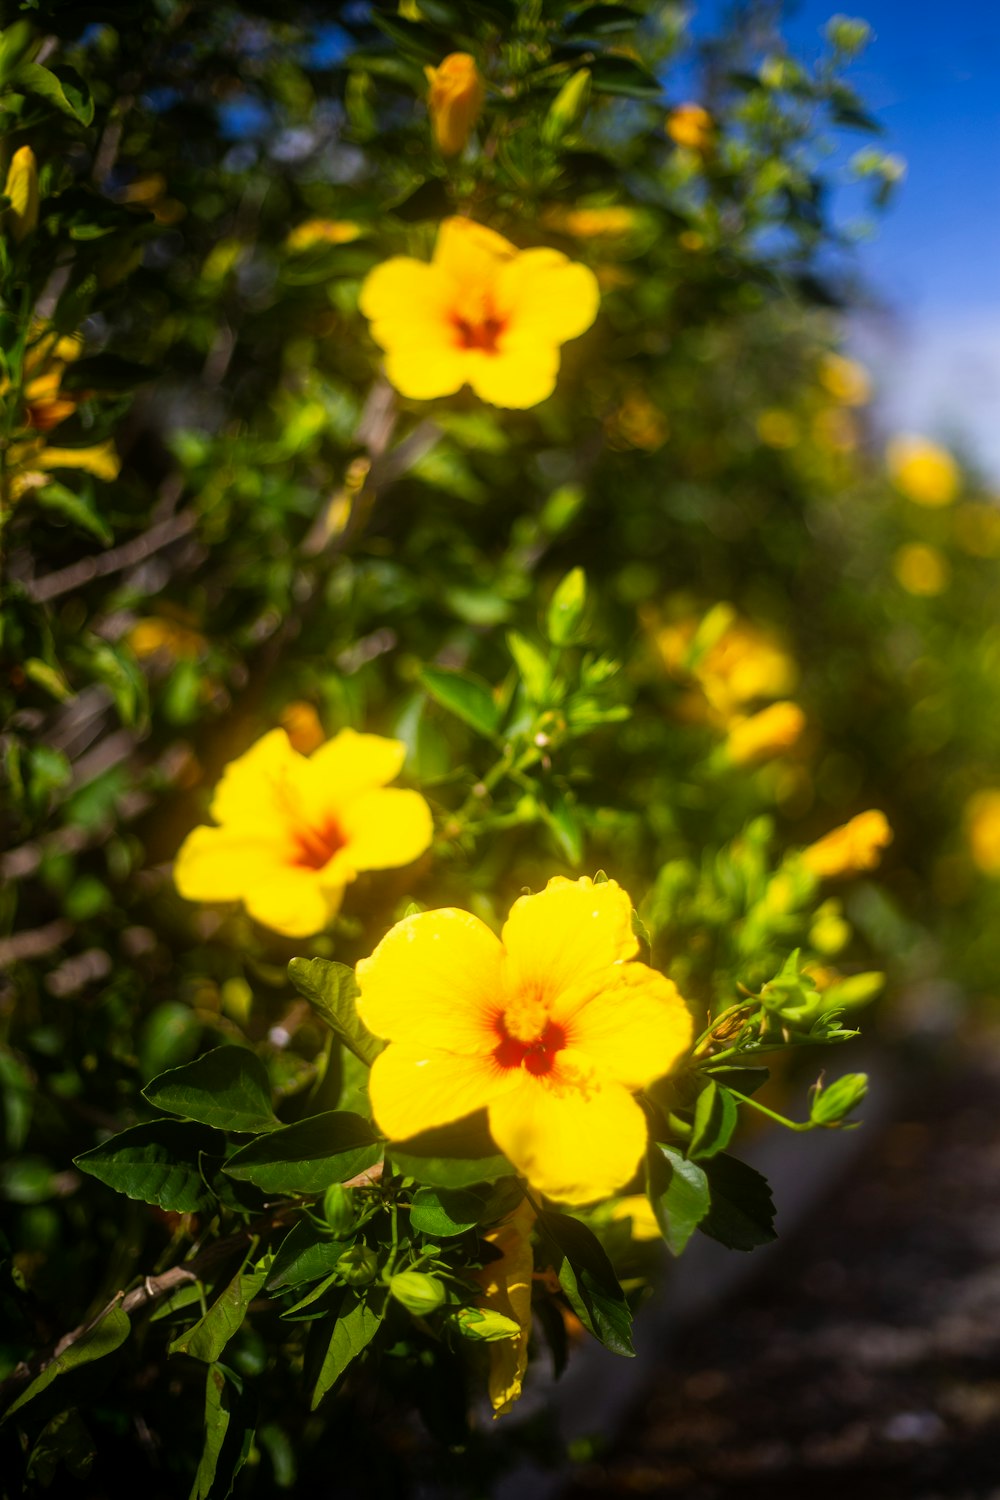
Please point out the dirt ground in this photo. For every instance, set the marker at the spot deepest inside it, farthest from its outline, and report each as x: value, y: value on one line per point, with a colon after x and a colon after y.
x: 864, y: 1363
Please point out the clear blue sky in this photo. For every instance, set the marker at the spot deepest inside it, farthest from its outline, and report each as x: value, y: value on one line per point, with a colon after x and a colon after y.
x: 932, y: 76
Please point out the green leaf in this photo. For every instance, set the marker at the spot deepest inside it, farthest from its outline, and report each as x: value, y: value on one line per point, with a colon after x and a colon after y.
x: 466, y: 696
x: 566, y: 609
x: 118, y: 670
x: 210, y: 1335
x: 602, y: 20
x: 715, y: 1118
x: 156, y: 1163
x: 614, y: 74
x: 47, y: 677
x: 65, y: 1440
x: 744, y: 1080
x: 227, y: 1088
x: 76, y: 508
x: 678, y: 1193
x: 442, y: 1212
x: 532, y: 665
x: 68, y: 94
x: 17, y: 1100
x: 308, y: 1156
x: 333, y: 990
x: 742, y: 1211
x: 229, y: 1430
x: 103, y: 1339
x: 15, y: 43
x: 357, y: 1323
x: 587, y: 1277
x: 304, y: 1255
x: 452, y: 1156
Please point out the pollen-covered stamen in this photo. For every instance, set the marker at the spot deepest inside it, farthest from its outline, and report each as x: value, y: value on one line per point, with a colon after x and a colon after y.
x: 315, y: 847
x: 479, y: 333
x: 537, y: 1055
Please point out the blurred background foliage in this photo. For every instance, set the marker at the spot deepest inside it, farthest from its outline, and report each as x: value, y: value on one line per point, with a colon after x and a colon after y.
x: 678, y: 621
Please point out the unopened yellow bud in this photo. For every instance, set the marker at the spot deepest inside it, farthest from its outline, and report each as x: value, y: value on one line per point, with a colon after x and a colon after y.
x: 455, y: 100
x: 313, y: 232
x: 21, y: 187
x: 300, y: 721
x: 692, y: 126
x: 982, y: 818
x: 853, y: 847
x: 923, y: 472
x: 765, y: 734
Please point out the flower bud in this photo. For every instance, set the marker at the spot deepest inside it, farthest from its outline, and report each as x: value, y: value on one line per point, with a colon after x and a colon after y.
x: 21, y: 187
x: 338, y: 1208
x: 486, y: 1326
x: 358, y: 1266
x: 765, y: 734
x: 419, y: 1293
x: 455, y: 101
x: 830, y: 1106
x: 567, y: 107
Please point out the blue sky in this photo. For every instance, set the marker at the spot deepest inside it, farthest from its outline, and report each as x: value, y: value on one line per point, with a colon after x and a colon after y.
x: 932, y: 76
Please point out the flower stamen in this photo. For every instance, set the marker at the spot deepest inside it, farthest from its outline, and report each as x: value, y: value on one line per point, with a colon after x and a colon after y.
x: 315, y: 847
x: 483, y: 334
x: 536, y: 1055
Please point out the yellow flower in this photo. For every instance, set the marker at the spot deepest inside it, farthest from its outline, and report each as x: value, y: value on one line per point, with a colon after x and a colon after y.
x: 923, y: 472
x: 295, y: 831
x: 982, y: 819
x: 743, y: 664
x: 301, y: 722
x: 845, y: 380
x: 482, y: 312
x: 637, y: 1208
x: 156, y: 633
x: 847, y: 850
x: 21, y: 187
x: 765, y: 734
x: 778, y: 429
x: 550, y: 1029
x: 506, y: 1284
x: 612, y: 221
x: 455, y: 100
x: 27, y: 465
x: 691, y: 126
x: 322, y: 232
x: 920, y: 569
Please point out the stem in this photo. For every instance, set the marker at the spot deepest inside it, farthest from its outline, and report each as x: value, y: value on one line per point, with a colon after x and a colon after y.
x: 770, y: 1113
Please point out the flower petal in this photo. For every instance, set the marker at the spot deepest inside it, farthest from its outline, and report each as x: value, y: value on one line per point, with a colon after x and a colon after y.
x: 577, y: 1144
x: 260, y: 789
x: 506, y: 1287
x: 469, y: 254
x: 386, y: 828
x: 560, y: 942
x: 513, y: 377
x: 400, y: 294
x: 346, y: 767
x: 415, y: 1088
x: 546, y: 297
x: 636, y: 1028
x: 427, y: 367
x: 219, y: 864
x: 434, y: 982
x: 293, y: 901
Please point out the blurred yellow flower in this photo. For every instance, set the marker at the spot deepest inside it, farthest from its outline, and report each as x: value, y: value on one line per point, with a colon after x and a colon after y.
x: 454, y: 101
x: 923, y: 472
x: 612, y: 221
x: 855, y: 846
x: 845, y: 380
x: 155, y: 633
x: 765, y: 734
x: 482, y: 313
x: 294, y: 832
x: 21, y: 187
x: 506, y: 1284
x: 743, y: 664
x: 691, y: 126
x: 638, y: 1209
x: 982, y: 821
x: 549, y: 1029
x: 778, y: 429
x: 301, y: 723
x: 921, y: 569
x: 321, y: 232
x: 150, y: 192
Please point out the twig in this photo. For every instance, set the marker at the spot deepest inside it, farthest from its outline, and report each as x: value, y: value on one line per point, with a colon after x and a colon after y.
x: 34, y: 943
x: 126, y: 556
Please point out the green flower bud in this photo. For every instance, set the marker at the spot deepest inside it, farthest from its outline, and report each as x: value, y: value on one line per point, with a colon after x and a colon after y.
x: 567, y: 107
x: 338, y: 1208
x: 419, y: 1293
x: 486, y: 1326
x: 830, y: 1106
x: 358, y: 1266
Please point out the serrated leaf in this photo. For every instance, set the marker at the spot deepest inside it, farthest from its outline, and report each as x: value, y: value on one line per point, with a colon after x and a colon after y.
x: 210, y: 1335
x: 715, y: 1118
x: 333, y: 990
x: 308, y: 1156
x: 742, y: 1211
x: 156, y: 1163
x: 76, y: 508
x: 103, y: 1339
x: 678, y: 1193
x: 356, y: 1324
x: 227, y: 1088
x: 452, y: 1156
x: 587, y: 1277
x: 229, y: 1430
x: 469, y: 698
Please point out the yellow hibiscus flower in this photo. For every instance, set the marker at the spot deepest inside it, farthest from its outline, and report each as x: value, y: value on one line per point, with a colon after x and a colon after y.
x: 551, y: 1028
x: 481, y: 313
x: 294, y: 831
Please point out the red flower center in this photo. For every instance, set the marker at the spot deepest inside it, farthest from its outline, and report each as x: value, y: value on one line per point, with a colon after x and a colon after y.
x: 315, y: 847
x: 537, y: 1056
x: 482, y: 334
